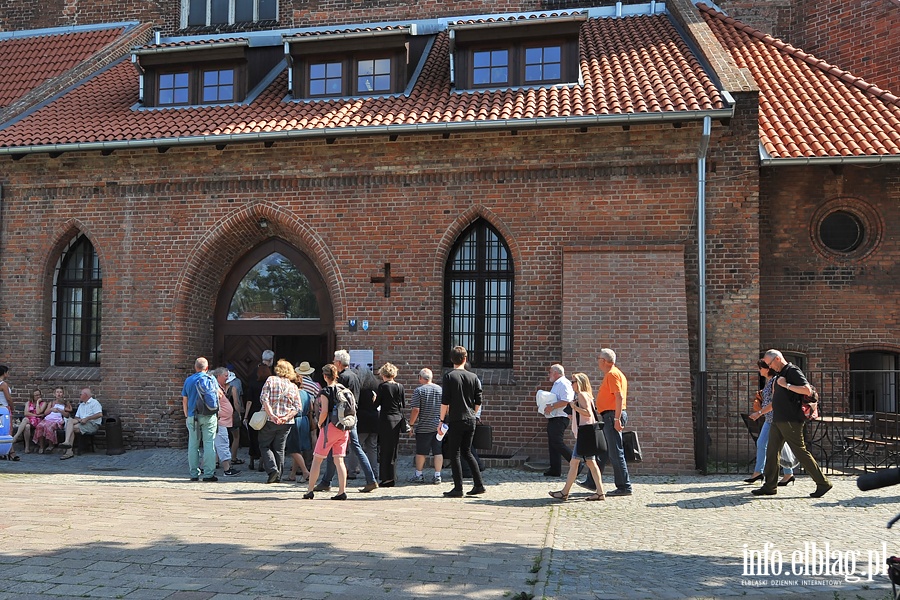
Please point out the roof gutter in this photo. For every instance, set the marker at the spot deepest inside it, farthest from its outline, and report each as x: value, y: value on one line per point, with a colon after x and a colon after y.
x: 766, y: 160
x: 194, y: 48
x: 464, y: 26
x: 411, y: 129
x: 349, y: 35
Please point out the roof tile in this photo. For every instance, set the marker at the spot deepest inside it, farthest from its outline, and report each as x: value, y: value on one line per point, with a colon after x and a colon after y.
x: 636, y: 64
x: 809, y: 108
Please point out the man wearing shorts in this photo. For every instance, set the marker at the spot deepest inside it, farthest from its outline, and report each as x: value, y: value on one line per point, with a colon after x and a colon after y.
x: 86, y: 421
x: 423, y: 421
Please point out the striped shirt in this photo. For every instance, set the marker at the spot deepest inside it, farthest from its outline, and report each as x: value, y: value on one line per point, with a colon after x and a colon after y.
x: 282, y: 396
x: 427, y: 398
x: 310, y: 386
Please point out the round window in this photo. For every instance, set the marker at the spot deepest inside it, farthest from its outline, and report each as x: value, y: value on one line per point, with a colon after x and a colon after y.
x: 846, y: 228
x: 842, y: 231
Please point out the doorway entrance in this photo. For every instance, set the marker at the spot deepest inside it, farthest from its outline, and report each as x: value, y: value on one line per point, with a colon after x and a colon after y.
x: 273, y: 299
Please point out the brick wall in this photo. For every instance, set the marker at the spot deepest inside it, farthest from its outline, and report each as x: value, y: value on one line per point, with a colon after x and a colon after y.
x: 815, y: 303
x: 631, y: 298
x: 168, y: 228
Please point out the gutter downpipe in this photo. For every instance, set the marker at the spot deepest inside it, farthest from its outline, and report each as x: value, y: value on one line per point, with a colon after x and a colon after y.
x: 701, y: 429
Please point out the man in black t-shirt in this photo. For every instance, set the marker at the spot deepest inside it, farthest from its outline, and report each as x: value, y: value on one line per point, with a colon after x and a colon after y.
x: 787, y: 426
x: 461, y: 397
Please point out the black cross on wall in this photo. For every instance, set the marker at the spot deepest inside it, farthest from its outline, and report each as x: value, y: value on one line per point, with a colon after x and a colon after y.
x: 387, y: 279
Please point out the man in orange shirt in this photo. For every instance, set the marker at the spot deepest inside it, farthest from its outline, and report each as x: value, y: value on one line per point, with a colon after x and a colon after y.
x: 611, y: 399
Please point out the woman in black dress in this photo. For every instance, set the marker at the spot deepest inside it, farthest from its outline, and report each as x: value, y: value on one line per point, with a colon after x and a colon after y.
x: 390, y: 399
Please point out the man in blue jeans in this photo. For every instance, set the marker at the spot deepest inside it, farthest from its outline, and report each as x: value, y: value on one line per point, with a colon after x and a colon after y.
x: 200, y: 426
x: 611, y: 401
x: 349, y: 380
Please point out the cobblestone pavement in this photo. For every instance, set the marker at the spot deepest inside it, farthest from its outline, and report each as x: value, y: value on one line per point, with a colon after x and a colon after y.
x: 133, y: 526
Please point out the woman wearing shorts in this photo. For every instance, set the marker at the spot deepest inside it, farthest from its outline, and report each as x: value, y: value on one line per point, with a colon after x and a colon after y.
x: 331, y: 439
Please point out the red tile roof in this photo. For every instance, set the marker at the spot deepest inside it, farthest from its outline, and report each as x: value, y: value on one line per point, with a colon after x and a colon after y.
x: 807, y: 107
x: 636, y: 65
x: 28, y: 61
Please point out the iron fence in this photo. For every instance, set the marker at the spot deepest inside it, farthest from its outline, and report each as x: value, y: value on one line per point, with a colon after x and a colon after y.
x: 848, y: 403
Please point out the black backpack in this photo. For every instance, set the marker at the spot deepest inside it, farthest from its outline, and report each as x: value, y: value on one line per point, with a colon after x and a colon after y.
x: 343, y: 407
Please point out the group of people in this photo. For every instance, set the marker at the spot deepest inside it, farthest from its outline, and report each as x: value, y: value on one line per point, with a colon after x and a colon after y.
x: 43, y: 419
x: 298, y: 414
x: 574, y: 405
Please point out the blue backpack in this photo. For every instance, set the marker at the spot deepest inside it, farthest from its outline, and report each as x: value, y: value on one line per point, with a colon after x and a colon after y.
x: 207, y: 396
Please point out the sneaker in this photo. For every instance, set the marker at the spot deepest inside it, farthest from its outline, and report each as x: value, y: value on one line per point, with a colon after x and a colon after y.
x: 370, y: 487
x: 322, y: 488
x: 211, y: 479
x: 619, y: 492
x: 436, y: 478
x: 231, y: 473
x: 416, y: 479
x: 583, y: 484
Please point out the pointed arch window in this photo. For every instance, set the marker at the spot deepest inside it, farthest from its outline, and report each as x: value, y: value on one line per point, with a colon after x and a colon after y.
x: 76, y: 316
x: 478, y: 297
x: 274, y: 289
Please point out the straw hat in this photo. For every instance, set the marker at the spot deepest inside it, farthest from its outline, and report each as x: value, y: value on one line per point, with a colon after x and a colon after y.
x: 304, y: 369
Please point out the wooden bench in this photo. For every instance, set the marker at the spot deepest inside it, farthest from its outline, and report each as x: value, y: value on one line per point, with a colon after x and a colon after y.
x: 882, y: 437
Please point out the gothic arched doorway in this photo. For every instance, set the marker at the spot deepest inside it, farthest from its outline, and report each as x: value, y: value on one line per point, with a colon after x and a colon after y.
x: 274, y: 298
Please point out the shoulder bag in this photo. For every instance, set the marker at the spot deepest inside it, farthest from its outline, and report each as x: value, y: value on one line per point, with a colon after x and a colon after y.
x: 590, y: 440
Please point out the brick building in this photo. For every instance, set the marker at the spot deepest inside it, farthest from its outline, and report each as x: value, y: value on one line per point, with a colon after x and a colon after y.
x: 526, y: 183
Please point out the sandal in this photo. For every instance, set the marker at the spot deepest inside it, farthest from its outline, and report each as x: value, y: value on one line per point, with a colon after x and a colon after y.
x: 289, y: 478
x: 596, y: 497
x: 13, y: 456
x: 559, y: 495
x: 237, y: 461
x: 66, y: 456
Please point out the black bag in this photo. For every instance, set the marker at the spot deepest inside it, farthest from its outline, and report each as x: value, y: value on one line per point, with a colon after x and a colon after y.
x: 590, y: 440
x: 483, y: 438
x: 632, y: 447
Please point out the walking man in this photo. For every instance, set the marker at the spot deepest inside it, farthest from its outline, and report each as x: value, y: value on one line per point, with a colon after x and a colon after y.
x: 787, y: 426
x: 460, y: 399
x: 200, y: 427
x: 423, y: 420
x: 558, y: 420
x: 611, y: 400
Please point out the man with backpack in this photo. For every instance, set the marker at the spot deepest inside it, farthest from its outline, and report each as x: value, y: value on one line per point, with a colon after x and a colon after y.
x: 200, y: 402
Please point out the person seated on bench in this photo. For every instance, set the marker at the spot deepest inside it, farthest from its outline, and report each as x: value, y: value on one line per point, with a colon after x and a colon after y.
x: 86, y: 421
x: 34, y: 412
x: 54, y: 419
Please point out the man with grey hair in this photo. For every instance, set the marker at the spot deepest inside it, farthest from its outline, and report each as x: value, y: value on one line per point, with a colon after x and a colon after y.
x: 611, y: 400
x: 558, y: 420
x: 787, y: 426
x: 423, y: 420
x: 349, y: 380
x: 86, y: 421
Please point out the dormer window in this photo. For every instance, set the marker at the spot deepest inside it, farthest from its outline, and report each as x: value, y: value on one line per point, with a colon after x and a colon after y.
x: 228, y: 12
x: 352, y: 63
x: 511, y: 54
x: 202, y: 72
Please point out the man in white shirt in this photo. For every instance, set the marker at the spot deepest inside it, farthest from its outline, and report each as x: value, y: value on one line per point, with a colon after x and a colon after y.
x: 86, y: 421
x: 558, y: 420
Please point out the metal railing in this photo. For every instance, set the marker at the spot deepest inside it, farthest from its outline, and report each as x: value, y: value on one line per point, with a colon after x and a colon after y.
x: 848, y: 401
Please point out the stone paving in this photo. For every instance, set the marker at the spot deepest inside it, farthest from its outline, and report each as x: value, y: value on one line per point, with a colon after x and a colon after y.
x: 133, y: 526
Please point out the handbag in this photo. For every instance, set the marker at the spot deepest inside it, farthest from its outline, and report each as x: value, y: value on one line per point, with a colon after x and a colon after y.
x: 810, y: 406
x: 258, y: 420
x: 483, y: 438
x: 632, y: 447
x: 590, y: 440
